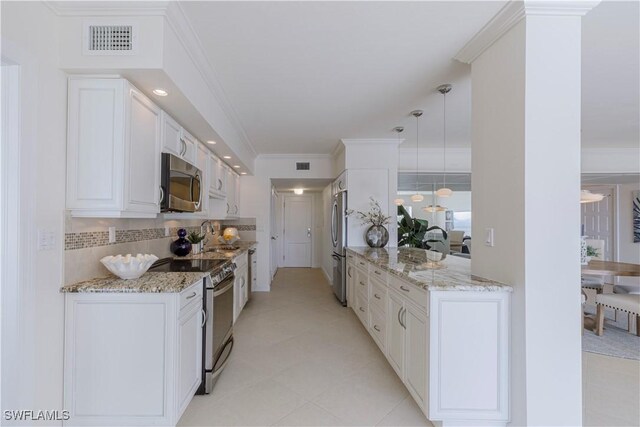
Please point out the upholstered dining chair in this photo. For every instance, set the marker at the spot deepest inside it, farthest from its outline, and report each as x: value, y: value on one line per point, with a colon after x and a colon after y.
x: 629, y: 303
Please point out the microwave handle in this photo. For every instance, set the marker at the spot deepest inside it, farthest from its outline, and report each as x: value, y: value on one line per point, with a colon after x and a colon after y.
x: 161, y: 194
x: 200, y: 193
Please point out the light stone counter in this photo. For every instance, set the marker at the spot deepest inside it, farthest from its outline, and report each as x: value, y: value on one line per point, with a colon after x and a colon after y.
x: 157, y: 282
x: 150, y: 282
x: 411, y: 264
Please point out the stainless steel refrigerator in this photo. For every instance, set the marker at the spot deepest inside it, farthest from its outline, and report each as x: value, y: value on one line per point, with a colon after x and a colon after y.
x: 339, y: 242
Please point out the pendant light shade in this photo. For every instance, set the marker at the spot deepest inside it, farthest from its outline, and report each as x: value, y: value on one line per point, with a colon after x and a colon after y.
x: 444, y: 191
x: 399, y: 202
x: 436, y: 208
x: 587, y: 196
x: 417, y: 113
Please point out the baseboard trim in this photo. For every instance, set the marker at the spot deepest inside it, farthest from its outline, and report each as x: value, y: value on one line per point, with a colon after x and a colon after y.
x: 329, y: 278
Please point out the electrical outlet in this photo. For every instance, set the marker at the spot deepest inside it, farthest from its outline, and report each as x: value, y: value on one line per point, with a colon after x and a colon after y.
x: 112, y: 234
x: 488, y: 237
x: 166, y: 231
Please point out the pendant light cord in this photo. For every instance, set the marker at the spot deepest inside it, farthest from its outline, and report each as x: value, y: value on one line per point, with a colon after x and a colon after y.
x: 417, y: 139
x: 444, y: 140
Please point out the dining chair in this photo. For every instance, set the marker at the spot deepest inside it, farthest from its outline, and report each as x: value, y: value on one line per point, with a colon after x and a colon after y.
x: 629, y: 303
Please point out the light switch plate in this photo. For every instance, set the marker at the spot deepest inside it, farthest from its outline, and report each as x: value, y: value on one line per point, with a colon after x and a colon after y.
x: 46, y: 240
x: 166, y: 231
x: 488, y: 237
x: 112, y: 234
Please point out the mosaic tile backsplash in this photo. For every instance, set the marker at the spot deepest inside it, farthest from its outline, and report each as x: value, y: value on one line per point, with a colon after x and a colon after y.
x: 91, y: 239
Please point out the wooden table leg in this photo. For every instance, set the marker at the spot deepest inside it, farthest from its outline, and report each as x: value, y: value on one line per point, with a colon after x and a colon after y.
x: 599, y: 319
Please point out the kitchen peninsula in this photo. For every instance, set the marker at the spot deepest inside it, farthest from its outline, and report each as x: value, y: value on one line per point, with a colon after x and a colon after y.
x: 444, y: 331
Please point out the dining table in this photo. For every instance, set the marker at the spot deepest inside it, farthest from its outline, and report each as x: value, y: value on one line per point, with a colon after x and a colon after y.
x: 611, y: 268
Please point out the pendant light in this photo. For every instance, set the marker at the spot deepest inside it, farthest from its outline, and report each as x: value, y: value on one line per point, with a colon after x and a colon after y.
x: 444, y: 191
x: 432, y: 208
x: 587, y: 196
x: 417, y: 197
x: 398, y: 130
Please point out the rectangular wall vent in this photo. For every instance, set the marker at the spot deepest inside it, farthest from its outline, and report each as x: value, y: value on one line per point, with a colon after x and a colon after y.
x: 303, y: 166
x: 109, y: 39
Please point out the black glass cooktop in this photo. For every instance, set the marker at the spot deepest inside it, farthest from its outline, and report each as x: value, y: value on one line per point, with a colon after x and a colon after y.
x: 187, y: 265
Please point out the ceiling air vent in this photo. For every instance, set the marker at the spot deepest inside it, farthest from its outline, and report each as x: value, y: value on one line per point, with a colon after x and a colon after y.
x: 109, y: 39
x: 303, y: 166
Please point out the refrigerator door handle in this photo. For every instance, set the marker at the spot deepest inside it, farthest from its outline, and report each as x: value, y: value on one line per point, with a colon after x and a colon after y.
x: 334, y: 223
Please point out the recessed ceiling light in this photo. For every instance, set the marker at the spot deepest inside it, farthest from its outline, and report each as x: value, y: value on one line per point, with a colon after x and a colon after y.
x: 160, y: 92
x: 226, y: 157
x: 298, y: 191
x: 236, y: 166
x: 211, y: 142
x: 243, y: 173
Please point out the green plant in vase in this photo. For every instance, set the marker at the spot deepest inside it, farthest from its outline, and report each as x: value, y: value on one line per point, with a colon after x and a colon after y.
x: 412, y: 231
x: 195, y: 238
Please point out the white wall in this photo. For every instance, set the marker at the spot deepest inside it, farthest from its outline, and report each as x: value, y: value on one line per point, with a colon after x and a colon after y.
x: 284, y: 166
x: 30, y: 30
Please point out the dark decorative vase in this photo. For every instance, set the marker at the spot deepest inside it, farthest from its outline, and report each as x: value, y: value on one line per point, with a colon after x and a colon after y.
x: 181, y: 246
x: 377, y: 236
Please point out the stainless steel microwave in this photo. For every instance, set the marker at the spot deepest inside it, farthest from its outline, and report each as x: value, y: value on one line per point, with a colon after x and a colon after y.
x: 181, y: 185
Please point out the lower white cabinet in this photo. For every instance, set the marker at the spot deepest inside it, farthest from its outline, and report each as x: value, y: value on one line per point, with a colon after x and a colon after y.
x: 240, y: 285
x: 450, y: 348
x: 132, y: 358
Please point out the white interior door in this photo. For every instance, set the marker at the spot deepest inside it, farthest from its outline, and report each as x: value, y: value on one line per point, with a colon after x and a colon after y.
x: 297, y: 231
x: 598, y: 219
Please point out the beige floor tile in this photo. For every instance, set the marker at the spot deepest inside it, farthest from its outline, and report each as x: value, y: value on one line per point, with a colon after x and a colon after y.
x: 407, y: 413
x: 310, y: 415
x: 261, y: 404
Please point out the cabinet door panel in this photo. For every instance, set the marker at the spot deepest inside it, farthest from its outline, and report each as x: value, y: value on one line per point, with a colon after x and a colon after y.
x: 395, y: 334
x: 189, y: 356
x: 190, y: 147
x: 170, y: 135
x: 416, y: 367
x: 144, y: 154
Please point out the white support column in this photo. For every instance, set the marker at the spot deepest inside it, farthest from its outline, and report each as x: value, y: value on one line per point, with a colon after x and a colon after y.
x: 526, y: 181
x: 372, y: 171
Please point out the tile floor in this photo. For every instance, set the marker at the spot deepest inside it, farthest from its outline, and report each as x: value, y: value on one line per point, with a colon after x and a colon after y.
x: 301, y: 359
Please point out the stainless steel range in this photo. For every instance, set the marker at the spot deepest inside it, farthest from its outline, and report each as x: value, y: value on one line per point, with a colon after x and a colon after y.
x: 217, y: 333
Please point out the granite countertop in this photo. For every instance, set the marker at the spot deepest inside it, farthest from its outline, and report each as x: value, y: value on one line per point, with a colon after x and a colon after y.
x: 156, y: 282
x: 411, y: 264
x: 149, y: 282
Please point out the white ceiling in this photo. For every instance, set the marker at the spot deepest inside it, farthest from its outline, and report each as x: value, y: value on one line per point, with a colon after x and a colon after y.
x: 303, y: 75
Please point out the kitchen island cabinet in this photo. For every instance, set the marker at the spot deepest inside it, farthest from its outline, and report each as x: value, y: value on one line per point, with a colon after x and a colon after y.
x: 443, y: 331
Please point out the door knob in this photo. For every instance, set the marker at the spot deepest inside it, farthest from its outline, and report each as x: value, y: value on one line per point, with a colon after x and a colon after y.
x: 308, y: 232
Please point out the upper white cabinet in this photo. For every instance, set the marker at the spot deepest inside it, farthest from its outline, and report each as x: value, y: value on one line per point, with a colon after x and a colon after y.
x: 113, y: 150
x: 217, y: 178
x: 233, y: 194
x: 177, y: 141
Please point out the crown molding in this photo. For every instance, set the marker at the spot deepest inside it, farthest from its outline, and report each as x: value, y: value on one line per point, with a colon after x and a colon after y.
x: 293, y: 156
x: 106, y: 8
x: 511, y: 14
x: 339, y: 148
x: 363, y: 141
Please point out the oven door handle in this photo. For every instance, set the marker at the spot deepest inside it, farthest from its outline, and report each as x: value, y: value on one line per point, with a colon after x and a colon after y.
x: 223, y: 290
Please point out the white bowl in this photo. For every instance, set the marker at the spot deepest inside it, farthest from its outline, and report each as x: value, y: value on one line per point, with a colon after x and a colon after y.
x: 129, y: 267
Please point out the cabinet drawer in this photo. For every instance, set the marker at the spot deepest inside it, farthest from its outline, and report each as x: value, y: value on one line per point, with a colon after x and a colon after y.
x: 362, y: 309
x: 362, y: 264
x: 241, y: 260
x: 362, y: 285
x: 190, y: 295
x: 378, y: 296
x: 378, y: 273
x: 411, y: 292
x: 378, y: 326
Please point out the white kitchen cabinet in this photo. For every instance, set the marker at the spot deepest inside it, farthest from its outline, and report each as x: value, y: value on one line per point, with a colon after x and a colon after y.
x: 351, y: 280
x: 189, y: 355
x: 240, y: 284
x: 177, y: 141
x: 395, y: 334
x: 217, y: 178
x: 113, y: 150
x: 439, y: 343
x: 416, y: 352
x: 132, y: 358
x: 233, y: 194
